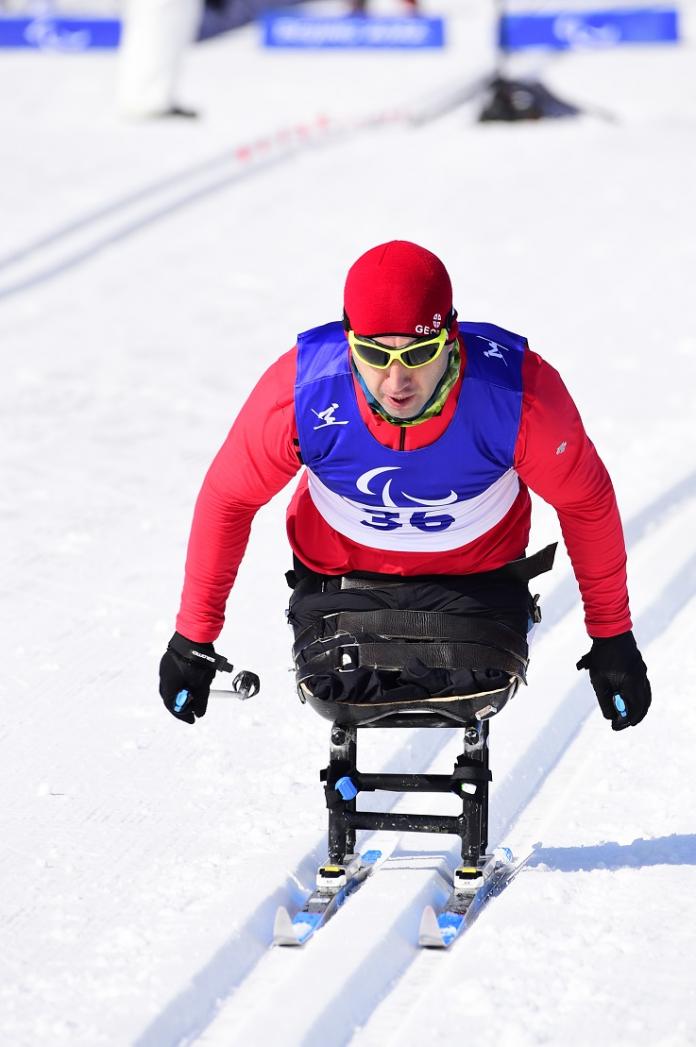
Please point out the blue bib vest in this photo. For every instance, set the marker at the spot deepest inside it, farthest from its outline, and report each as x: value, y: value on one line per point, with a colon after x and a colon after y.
x: 435, y: 498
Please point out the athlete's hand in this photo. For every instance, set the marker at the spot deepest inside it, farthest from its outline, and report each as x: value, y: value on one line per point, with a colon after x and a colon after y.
x: 186, y: 673
x: 619, y: 678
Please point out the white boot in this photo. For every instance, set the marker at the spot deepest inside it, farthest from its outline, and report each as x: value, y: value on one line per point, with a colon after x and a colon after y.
x: 155, y: 35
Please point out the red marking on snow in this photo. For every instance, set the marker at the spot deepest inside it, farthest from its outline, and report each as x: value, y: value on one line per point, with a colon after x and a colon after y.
x: 304, y: 132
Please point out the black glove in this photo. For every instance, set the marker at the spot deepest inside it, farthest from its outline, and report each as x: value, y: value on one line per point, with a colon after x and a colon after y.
x: 620, y: 679
x: 186, y: 673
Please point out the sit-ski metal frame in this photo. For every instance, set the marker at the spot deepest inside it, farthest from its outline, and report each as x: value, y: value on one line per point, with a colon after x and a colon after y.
x: 469, y: 781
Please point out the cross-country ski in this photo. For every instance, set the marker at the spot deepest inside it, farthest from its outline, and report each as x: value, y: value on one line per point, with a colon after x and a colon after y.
x: 335, y: 883
x: 472, y: 888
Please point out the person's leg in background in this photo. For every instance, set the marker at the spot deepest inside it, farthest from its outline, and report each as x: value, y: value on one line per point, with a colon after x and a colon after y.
x: 155, y: 35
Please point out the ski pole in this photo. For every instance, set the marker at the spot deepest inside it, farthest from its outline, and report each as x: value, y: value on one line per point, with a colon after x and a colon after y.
x: 244, y: 685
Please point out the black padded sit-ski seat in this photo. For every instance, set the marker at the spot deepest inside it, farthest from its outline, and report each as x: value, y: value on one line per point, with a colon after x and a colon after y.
x: 365, y: 667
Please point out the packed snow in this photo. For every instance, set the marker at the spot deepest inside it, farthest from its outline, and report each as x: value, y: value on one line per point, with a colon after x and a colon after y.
x: 149, y: 273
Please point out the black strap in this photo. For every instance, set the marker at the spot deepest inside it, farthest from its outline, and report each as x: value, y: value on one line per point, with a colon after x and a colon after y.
x: 364, y: 626
x: 432, y: 625
x: 375, y: 581
x: 394, y: 656
x: 528, y: 567
x: 523, y: 570
x: 439, y: 656
x: 471, y: 771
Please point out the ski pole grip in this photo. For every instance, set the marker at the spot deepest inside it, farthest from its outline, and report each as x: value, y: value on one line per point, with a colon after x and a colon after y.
x: 222, y: 665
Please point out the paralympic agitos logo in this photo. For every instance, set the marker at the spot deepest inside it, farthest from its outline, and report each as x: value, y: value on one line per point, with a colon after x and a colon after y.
x: 387, y: 497
x: 401, y: 503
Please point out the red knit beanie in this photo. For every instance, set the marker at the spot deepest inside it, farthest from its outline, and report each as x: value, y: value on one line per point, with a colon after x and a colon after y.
x: 398, y: 288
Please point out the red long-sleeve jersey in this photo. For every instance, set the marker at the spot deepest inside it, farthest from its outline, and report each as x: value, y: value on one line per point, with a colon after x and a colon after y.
x: 554, y: 457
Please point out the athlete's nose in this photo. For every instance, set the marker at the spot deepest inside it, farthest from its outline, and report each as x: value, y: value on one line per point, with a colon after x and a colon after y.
x: 398, y: 375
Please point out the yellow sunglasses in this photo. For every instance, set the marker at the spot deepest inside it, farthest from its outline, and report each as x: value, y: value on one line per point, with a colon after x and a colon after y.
x: 419, y: 353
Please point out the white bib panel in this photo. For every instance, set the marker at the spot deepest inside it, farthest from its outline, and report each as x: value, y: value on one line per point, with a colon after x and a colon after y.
x: 420, y: 527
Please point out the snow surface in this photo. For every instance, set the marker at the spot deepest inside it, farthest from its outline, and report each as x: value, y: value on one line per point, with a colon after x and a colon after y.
x: 149, y: 274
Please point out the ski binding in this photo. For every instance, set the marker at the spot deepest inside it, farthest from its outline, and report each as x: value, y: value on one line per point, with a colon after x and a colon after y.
x: 472, y: 887
x: 334, y: 883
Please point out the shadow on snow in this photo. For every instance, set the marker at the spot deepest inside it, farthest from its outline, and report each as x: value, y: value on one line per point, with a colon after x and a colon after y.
x: 677, y: 849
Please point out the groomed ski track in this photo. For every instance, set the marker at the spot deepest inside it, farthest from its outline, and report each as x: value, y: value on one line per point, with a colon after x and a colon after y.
x: 367, y: 957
